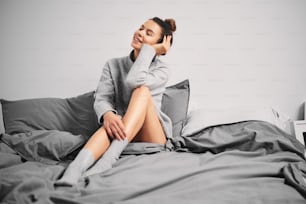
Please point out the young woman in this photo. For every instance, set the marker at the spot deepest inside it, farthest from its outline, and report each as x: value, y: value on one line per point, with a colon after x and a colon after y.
x: 128, y: 102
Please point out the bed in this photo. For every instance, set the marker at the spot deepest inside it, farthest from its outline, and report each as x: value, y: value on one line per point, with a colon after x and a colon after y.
x: 245, y: 159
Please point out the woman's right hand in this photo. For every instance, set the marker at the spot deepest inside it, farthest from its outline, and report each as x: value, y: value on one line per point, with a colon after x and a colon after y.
x: 114, y: 126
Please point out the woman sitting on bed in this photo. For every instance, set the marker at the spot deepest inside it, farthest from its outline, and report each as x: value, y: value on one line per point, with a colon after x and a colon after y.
x: 131, y: 87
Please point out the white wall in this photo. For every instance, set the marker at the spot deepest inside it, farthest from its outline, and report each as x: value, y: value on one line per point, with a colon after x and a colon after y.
x: 235, y: 52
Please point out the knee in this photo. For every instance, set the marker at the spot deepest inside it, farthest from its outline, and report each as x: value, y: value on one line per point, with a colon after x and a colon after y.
x: 142, y: 91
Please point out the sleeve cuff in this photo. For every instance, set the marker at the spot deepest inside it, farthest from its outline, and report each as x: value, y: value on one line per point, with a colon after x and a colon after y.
x: 100, y: 116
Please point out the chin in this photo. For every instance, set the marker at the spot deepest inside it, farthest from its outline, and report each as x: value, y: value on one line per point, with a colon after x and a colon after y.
x: 136, y: 45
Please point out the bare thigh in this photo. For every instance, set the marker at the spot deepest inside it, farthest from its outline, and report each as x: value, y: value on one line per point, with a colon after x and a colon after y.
x: 152, y: 130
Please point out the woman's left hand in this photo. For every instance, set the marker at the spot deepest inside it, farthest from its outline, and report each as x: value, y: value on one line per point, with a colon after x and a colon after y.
x: 163, y: 48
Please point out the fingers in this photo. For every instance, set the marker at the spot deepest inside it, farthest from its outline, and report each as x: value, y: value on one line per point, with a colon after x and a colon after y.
x: 108, y: 131
x: 115, y: 133
x: 118, y: 130
x: 167, y: 43
x: 163, y: 48
x: 167, y: 40
x: 121, y: 128
x: 115, y: 129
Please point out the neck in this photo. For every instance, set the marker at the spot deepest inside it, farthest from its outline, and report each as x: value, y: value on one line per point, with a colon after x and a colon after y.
x: 136, y: 53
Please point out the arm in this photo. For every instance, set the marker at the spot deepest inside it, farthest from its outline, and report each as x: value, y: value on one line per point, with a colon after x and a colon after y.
x: 104, y: 106
x: 141, y: 73
x: 104, y: 95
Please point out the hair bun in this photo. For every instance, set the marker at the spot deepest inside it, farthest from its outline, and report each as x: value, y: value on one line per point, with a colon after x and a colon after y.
x: 171, y: 23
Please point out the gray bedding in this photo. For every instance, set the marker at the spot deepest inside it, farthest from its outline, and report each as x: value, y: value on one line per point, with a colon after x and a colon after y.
x: 246, y: 162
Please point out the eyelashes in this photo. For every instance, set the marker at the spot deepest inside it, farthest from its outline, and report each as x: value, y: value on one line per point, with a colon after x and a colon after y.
x: 148, y: 32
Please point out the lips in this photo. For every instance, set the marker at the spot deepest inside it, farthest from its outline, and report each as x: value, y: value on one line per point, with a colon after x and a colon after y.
x: 137, y: 39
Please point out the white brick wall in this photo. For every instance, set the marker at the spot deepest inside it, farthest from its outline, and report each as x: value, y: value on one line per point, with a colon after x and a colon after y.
x: 235, y: 52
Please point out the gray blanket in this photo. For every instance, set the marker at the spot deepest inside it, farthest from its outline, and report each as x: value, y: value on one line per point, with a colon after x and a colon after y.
x: 247, y: 162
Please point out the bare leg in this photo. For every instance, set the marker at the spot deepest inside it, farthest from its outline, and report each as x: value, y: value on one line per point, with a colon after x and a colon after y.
x: 150, y: 129
x: 141, y: 118
x: 98, y: 143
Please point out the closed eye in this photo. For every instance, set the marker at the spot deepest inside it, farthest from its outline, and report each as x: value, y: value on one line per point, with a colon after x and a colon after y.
x: 149, y: 32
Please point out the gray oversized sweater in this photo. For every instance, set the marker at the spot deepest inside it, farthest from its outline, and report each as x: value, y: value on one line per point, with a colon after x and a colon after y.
x: 120, y: 76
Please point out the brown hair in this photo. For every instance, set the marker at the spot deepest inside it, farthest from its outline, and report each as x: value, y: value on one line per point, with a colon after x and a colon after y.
x: 168, y: 27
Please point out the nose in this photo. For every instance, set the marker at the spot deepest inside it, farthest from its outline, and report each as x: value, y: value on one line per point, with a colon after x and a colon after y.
x: 140, y: 33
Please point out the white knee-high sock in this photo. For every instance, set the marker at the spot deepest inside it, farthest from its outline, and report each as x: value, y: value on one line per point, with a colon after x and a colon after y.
x: 76, y: 168
x: 109, y: 157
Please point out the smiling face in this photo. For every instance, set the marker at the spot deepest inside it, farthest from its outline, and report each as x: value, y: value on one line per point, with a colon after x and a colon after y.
x: 148, y: 33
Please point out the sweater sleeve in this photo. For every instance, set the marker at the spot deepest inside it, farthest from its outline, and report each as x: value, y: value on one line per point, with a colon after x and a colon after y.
x: 104, y: 95
x: 145, y: 72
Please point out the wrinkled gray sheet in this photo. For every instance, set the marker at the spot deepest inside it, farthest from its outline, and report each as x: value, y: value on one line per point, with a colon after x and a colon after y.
x: 248, y: 162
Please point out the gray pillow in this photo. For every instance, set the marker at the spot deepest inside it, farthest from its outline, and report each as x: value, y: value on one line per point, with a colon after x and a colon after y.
x: 75, y: 115
x: 175, y: 104
x: 46, y: 146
